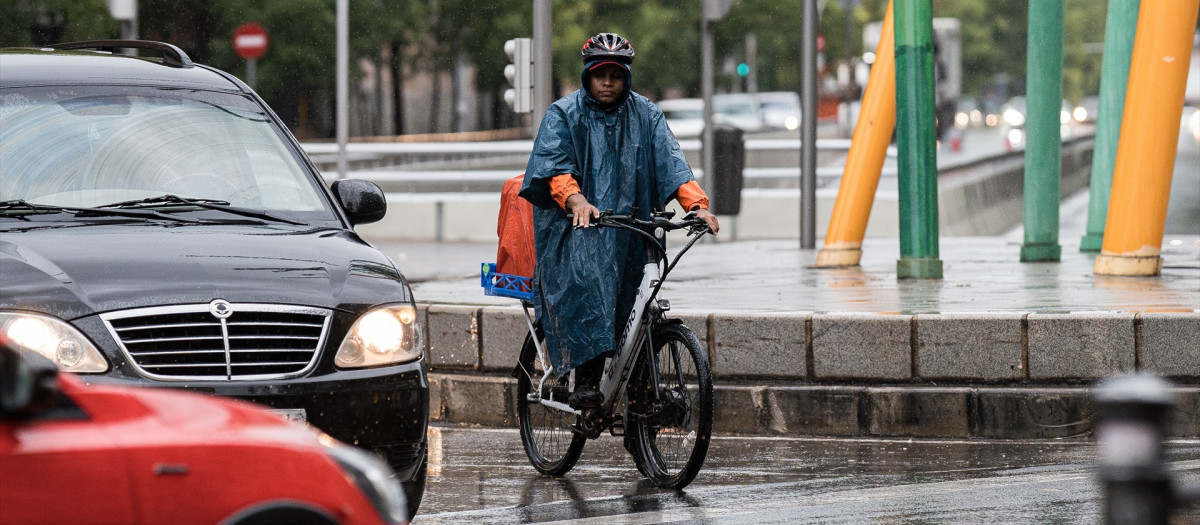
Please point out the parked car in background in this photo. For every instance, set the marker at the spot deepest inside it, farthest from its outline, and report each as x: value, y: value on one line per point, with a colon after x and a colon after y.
x: 969, y: 114
x: 685, y: 116
x: 159, y: 226
x: 73, y: 453
x: 780, y: 109
x: 741, y: 110
x: 1012, y: 125
x: 1086, y: 110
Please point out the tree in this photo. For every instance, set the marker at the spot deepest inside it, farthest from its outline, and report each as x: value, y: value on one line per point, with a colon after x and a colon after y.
x: 67, y: 20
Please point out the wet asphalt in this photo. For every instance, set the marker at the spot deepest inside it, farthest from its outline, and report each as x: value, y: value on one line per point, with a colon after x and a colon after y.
x: 483, y: 476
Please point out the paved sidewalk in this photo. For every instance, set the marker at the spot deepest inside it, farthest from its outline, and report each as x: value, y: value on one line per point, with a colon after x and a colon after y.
x: 981, y: 275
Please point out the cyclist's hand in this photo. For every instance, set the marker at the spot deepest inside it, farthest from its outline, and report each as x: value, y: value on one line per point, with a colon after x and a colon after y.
x: 709, y: 219
x: 581, y: 210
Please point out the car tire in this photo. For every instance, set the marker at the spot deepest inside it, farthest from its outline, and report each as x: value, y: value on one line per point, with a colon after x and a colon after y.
x: 281, y: 513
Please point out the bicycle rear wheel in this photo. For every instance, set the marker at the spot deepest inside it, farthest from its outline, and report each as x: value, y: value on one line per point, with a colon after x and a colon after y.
x: 547, y: 434
x: 670, y: 431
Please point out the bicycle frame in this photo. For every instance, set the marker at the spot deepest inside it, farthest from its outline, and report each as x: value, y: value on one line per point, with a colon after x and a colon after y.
x: 619, y: 366
x: 616, y: 375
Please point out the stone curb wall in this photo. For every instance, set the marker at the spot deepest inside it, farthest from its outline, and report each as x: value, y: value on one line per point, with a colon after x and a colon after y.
x: 923, y: 349
x: 844, y: 411
x: 988, y: 376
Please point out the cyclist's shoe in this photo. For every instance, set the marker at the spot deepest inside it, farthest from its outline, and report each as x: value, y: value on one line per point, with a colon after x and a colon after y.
x: 585, y: 398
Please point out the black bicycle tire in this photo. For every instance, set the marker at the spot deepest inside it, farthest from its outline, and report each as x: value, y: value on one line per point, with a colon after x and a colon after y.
x: 645, y: 437
x: 559, y: 464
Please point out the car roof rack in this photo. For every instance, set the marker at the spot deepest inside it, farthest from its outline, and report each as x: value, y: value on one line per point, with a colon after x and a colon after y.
x: 171, y: 55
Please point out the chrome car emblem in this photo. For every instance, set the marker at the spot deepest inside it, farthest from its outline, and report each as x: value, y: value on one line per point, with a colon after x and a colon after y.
x: 220, y: 309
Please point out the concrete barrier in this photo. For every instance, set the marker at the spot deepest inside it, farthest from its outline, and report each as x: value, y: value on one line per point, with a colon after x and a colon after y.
x: 959, y: 412
x: 1005, y: 376
x: 982, y: 197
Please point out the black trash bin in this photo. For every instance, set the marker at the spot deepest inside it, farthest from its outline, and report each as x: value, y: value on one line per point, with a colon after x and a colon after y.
x: 729, y: 159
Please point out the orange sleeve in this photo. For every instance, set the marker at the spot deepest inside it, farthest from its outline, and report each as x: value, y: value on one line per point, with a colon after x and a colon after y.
x: 690, y: 195
x: 563, y: 186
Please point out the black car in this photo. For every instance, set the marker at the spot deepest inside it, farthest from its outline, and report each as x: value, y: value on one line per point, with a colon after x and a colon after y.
x: 159, y: 226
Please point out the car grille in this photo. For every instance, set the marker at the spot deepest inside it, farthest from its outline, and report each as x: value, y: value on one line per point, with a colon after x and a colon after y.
x: 252, y: 342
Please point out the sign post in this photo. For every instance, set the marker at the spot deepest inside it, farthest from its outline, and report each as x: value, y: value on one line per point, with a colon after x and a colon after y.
x: 250, y: 42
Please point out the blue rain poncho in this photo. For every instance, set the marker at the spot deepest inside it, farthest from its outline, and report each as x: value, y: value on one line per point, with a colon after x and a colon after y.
x: 585, y: 280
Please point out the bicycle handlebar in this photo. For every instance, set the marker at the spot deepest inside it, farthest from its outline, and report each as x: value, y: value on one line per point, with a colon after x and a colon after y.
x: 661, y: 219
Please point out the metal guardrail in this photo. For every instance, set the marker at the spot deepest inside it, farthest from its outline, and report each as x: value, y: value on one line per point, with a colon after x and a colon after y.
x: 473, y: 179
x: 499, y: 176
x: 526, y: 146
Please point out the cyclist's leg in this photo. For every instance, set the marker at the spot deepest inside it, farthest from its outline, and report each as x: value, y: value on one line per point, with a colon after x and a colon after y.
x: 587, y: 384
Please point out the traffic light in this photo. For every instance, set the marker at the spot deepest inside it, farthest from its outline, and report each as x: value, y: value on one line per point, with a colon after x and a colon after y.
x: 519, y: 73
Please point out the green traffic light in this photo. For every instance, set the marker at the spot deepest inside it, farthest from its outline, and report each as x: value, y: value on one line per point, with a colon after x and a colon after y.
x: 743, y: 69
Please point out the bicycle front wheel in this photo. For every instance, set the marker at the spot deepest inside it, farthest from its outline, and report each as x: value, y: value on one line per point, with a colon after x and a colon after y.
x: 671, y: 408
x: 547, y: 434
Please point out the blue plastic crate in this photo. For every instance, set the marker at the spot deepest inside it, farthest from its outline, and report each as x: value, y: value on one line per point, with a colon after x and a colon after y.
x: 505, y: 285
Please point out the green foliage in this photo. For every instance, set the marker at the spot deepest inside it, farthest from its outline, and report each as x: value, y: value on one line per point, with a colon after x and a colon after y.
x: 432, y: 34
x: 82, y: 19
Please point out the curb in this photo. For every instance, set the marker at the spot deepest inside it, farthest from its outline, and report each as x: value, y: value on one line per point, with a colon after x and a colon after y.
x: 985, y: 376
x: 1016, y: 413
x: 1001, y: 349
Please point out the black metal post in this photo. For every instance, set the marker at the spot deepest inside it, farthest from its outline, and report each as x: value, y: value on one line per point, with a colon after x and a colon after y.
x: 808, y: 127
x: 1131, y: 424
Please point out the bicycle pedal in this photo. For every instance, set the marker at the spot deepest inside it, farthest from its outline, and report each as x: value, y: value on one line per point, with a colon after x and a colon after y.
x: 617, y: 429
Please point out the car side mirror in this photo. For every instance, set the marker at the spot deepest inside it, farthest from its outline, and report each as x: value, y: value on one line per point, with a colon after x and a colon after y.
x: 28, y: 382
x: 363, y: 201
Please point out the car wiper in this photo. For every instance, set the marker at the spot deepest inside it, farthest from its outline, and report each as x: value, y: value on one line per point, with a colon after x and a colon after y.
x: 23, y: 207
x: 18, y: 204
x: 209, y: 204
x: 164, y: 199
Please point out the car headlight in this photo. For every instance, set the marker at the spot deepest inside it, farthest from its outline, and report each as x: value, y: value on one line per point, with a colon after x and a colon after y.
x: 54, y: 339
x: 1013, y: 117
x: 386, y: 335
x: 1016, y: 136
x: 962, y: 119
x: 373, y: 477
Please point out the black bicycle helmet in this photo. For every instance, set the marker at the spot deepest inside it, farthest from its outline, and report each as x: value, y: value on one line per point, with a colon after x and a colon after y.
x: 607, y: 46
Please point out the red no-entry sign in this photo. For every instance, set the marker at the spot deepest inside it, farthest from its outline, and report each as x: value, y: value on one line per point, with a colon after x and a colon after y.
x: 250, y: 41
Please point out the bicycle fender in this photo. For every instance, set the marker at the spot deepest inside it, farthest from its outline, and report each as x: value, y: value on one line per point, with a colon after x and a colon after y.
x: 659, y: 323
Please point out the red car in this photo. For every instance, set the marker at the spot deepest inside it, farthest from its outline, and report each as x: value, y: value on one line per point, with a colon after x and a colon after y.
x: 72, y: 453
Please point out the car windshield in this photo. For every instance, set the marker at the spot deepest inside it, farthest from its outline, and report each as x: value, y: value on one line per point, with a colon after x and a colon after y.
x: 733, y: 106
x: 85, y: 147
x: 778, y: 104
x: 679, y: 114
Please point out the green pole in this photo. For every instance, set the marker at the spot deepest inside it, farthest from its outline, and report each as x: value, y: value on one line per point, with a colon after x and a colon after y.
x: 1043, y: 146
x: 1114, y: 73
x: 917, y: 140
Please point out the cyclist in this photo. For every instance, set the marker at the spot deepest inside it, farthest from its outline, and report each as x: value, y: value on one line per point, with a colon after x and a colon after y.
x: 600, y: 147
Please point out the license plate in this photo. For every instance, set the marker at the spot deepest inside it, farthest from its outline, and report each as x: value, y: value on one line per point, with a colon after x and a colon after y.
x: 290, y: 414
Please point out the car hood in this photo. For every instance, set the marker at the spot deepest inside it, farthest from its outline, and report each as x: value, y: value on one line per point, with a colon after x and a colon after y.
x: 76, y: 271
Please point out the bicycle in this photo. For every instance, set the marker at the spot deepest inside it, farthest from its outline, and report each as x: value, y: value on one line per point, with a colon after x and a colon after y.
x: 660, y: 400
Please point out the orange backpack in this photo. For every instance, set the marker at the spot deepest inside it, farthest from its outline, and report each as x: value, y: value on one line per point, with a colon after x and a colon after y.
x: 514, y: 227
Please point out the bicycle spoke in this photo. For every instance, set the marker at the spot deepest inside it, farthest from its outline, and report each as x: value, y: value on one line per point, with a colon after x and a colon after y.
x: 551, y: 444
x: 673, y: 433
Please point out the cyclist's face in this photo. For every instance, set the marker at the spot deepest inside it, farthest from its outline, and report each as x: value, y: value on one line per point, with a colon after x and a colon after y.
x: 606, y: 84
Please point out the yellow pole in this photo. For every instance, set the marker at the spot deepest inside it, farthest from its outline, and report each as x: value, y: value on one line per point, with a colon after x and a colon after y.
x: 1137, y: 206
x: 864, y: 162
